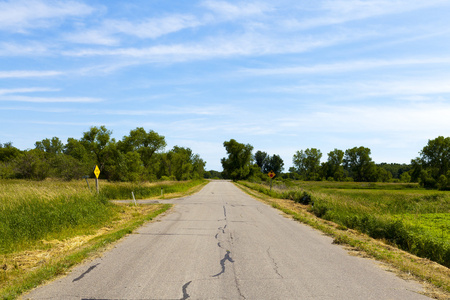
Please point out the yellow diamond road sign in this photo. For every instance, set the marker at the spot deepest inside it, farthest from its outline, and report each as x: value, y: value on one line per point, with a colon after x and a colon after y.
x: 96, y: 171
x: 271, y: 174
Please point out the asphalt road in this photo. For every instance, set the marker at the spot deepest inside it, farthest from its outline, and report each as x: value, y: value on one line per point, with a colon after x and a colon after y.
x: 222, y: 244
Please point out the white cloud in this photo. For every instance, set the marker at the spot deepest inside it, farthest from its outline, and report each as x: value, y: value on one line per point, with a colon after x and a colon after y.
x: 20, y: 15
x: 249, y: 44
x: 210, y: 111
x: 416, y: 118
x: 26, y: 90
x: 348, y: 66
x: 39, y: 109
x: 410, y: 89
x: 108, y: 32
x: 92, y: 37
x: 243, y: 9
x: 49, y: 99
x: 153, y: 28
x: 333, y: 12
x: 28, y: 74
x: 24, y: 49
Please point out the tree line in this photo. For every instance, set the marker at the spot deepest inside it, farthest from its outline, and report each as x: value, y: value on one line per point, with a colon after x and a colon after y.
x: 431, y: 169
x: 138, y: 156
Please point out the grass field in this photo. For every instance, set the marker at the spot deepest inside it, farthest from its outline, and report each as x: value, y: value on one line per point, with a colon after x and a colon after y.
x: 434, y: 276
x: 414, y: 219
x: 48, y: 226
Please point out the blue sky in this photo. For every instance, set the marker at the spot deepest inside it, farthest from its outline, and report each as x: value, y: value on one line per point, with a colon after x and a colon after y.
x: 280, y: 75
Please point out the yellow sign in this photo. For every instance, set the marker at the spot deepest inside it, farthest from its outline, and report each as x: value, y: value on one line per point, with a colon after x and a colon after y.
x: 96, y: 171
x: 271, y: 174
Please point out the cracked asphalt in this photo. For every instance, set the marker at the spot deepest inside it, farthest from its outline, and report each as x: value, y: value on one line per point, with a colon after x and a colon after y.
x: 222, y: 244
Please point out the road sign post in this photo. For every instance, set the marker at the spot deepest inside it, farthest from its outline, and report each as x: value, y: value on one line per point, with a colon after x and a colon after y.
x: 97, y: 173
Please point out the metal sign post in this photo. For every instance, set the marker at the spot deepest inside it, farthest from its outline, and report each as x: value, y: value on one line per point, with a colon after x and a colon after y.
x: 97, y: 173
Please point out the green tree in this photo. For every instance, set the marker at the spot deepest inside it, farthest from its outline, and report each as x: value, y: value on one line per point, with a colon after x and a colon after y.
x: 75, y: 148
x: 333, y: 169
x: 66, y: 167
x: 238, y: 163
x: 433, y: 165
x: 32, y: 164
x: 274, y: 163
x: 8, y: 152
x: 260, y: 159
x: 144, y: 143
x: 181, y: 164
x: 405, y: 177
x: 358, y: 162
x: 123, y: 166
x: 53, y: 146
x: 307, y: 163
x: 95, y: 141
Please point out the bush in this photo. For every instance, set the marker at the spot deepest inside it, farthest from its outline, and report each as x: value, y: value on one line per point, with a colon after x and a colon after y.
x: 298, y: 197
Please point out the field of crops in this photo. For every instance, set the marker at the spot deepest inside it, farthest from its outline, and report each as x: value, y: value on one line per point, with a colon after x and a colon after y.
x: 416, y: 220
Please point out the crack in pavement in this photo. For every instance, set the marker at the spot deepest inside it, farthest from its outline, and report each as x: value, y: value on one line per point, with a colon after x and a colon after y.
x: 85, y: 273
x: 238, y: 288
x: 275, y: 265
x: 227, y: 257
x: 185, y: 293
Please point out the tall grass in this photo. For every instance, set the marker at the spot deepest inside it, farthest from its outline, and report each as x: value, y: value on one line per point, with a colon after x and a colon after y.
x: 34, y: 219
x: 395, y: 215
x: 122, y: 191
x: 31, y: 211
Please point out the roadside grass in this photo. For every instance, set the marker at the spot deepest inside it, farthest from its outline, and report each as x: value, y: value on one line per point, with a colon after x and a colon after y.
x: 122, y: 191
x: 46, y: 227
x: 379, y: 213
x: 436, y: 275
x: 26, y: 270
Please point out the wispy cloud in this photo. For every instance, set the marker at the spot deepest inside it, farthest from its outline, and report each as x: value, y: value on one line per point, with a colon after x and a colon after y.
x: 33, y: 48
x: 210, y: 111
x: 370, y: 119
x: 247, y: 44
x: 20, y: 15
x: 26, y: 90
x: 32, y: 99
x: 333, y: 12
x: 348, y: 66
x: 227, y: 10
x: 28, y: 74
x: 40, y: 109
x: 111, y: 31
x: 411, y: 89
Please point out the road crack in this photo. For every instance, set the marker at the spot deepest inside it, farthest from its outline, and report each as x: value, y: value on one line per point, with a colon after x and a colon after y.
x: 85, y: 273
x: 185, y: 293
x: 274, y: 264
x: 227, y: 257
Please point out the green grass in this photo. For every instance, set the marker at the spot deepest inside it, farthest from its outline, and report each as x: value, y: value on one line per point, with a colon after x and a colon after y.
x: 421, y: 269
x: 34, y: 219
x: 31, y: 211
x: 35, y: 213
x: 121, y: 191
x: 414, y: 219
x: 435, y: 225
x: 59, y: 266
